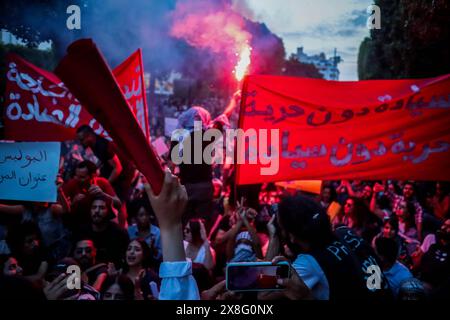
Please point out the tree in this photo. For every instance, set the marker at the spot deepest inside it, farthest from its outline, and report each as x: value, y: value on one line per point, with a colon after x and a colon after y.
x: 413, y: 42
x: 37, y: 21
x: 295, y: 68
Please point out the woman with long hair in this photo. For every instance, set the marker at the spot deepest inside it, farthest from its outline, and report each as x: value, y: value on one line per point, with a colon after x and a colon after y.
x: 357, y: 216
x: 441, y: 201
x: 118, y: 287
x: 137, y: 267
x: 390, y: 231
x: 196, y: 244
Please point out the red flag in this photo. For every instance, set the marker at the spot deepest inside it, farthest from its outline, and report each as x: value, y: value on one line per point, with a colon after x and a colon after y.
x: 40, y: 108
x: 83, y: 66
x: 130, y: 76
x: 380, y: 129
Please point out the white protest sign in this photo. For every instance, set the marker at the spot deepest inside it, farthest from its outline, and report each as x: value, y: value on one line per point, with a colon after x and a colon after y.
x: 160, y: 146
x: 170, y: 124
x: 28, y: 171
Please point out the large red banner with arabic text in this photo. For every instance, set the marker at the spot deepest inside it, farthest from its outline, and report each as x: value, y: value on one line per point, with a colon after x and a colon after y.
x: 38, y: 107
x: 326, y: 130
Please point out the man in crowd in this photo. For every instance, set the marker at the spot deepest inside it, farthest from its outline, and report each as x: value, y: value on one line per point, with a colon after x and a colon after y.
x: 84, y: 187
x: 144, y: 229
x: 408, y: 196
x: 110, y: 240
x: 113, y: 164
x: 85, y: 254
x: 333, y: 266
x: 395, y: 272
x: 434, y: 265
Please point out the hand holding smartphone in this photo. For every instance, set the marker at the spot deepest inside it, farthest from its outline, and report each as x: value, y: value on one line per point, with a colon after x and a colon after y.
x: 256, y: 276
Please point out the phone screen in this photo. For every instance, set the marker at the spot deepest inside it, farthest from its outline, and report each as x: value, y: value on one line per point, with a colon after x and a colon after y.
x: 255, y: 277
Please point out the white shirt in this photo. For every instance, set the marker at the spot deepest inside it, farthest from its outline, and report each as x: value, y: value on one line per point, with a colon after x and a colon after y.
x: 429, y: 240
x: 177, y: 281
x: 201, y: 254
x: 312, y: 274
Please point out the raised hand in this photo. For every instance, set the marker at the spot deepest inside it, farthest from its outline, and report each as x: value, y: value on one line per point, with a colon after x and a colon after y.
x: 203, y: 234
x: 169, y: 205
x: 271, y: 226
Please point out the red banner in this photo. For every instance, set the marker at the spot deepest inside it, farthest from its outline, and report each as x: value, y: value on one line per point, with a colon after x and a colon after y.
x: 130, y: 76
x: 326, y: 130
x: 107, y: 103
x: 38, y: 107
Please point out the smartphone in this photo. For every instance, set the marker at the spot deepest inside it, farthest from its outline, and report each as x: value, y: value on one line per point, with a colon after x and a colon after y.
x: 256, y: 276
x: 55, y: 272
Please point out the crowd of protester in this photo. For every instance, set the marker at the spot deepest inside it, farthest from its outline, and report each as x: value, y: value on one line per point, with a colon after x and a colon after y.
x: 131, y: 244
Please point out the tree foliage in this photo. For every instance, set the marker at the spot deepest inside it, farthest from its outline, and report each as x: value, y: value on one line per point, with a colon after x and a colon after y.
x: 295, y: 68
x: 413, y: 42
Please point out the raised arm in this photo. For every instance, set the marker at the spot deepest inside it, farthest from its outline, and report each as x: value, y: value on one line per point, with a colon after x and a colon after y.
x: 255, y: 239
x: 63, y: 205
x: 114, y: 162
x: 175, y: 272
x: 209, y: 261
x: 232, y: 104
x: 274, y: 242
x: 169, y: 207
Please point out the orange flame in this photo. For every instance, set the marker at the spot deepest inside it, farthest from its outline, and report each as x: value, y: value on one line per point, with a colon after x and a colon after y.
x: 244, y: 61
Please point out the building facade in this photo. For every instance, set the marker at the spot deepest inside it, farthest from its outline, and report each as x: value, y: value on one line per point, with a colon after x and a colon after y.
x: 328, y: 67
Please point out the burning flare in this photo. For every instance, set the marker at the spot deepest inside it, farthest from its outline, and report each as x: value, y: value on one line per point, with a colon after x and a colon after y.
x: 244, y: 61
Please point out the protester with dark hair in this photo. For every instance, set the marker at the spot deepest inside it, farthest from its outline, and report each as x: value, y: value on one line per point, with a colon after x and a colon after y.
x: 404, y: 212
x: 138, y: 268
x: 85, y: 253
x: 110, y: 240
x: 118, y: 287
x: 327, y: 195
x: 84, y: 187
x: 25, y: 242
x: 57, y: 279
x: 366, y: 194
x: 357, y: 216
x: 114, y: 165
x: 390, y: 231
x: 441, y: 201
x: 49, y: 218
x: 142, y: 212
x: 197, y: 246
x: 103, y: 149
x: 329, y: 201
x: 332, y: 269
x: 434, y: 264
x: 408, y: 196
x: 395, y: 272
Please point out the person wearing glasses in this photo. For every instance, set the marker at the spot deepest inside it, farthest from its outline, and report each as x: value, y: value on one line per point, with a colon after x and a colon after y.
x: 357, y: 216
